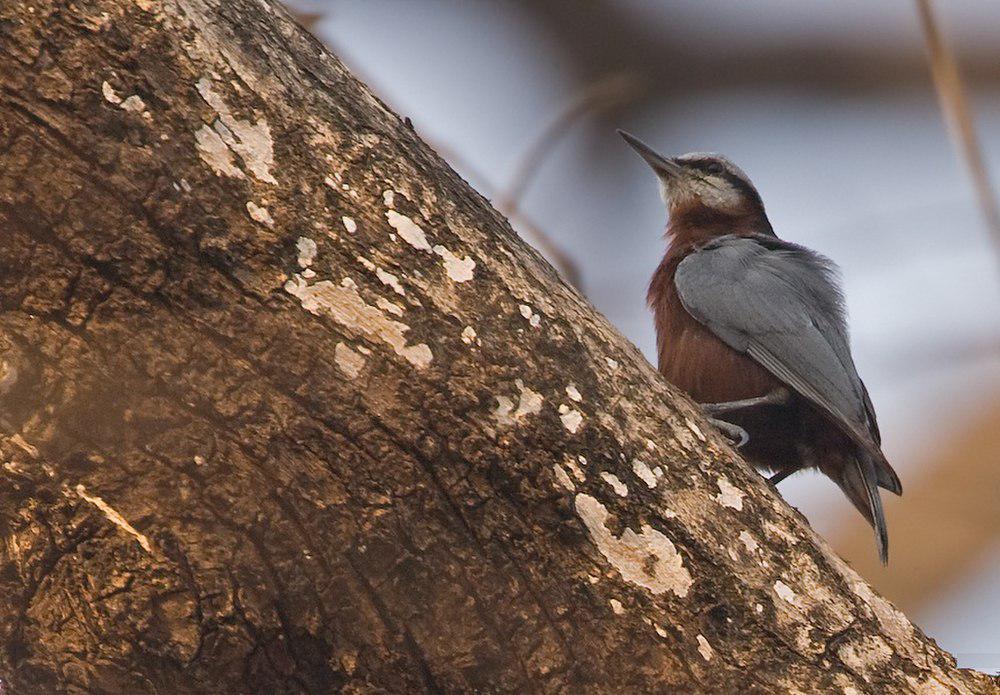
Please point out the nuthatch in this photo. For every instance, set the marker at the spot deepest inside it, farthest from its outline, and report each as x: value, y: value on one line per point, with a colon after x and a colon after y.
x: 753, y: 327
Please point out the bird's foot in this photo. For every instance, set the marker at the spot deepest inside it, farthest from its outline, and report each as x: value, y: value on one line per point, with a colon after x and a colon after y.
x: 780, y: 475
x: 775, y: 397
x: 736, y: 434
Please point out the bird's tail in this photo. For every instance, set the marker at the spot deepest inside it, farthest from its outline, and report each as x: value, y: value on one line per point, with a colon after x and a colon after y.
x: 859, y: 480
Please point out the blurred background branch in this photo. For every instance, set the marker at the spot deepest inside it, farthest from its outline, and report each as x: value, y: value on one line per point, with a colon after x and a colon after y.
x: 951, y: 95
x: 600, y: 97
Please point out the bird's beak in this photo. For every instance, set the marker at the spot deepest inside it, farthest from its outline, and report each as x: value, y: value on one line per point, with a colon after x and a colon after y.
x: 663, y: 166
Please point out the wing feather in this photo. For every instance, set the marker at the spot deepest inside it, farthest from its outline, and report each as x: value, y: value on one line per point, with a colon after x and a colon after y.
x: 779, y: 303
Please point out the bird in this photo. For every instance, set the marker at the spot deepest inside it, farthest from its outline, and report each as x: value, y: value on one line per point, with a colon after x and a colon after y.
x: 754, y: 328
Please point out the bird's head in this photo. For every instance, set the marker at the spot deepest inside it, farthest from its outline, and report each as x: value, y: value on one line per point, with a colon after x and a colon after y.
x: 700, y: 181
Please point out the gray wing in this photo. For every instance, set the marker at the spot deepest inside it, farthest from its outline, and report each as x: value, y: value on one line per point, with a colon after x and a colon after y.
x: 779, y: 304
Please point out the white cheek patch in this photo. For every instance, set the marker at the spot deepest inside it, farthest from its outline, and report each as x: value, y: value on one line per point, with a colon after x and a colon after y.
x: 715, y: 192
x: 677, y: 191
x: 718, y: 193
x: 665, y: 191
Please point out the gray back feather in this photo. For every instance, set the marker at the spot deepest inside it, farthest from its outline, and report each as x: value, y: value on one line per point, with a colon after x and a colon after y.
x: 780, y: 304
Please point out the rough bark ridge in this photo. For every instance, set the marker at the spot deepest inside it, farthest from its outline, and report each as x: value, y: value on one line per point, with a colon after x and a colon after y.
x: 287, y: 407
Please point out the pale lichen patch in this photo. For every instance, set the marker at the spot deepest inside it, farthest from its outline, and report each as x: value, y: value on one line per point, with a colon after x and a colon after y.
x: 387, y: 306
x: 729, y: 495
x: 250, y: 141
x: 307, y: 250
x: 772, y: 530
x: 785, y: 593
x: 384, y: 276
x: 346, y: 307
x: 350, y: 362
x: 616, y: 606
x: 571, y: 419
x: 529, y: 403
x: 704, y: 648
x: 27, y: 448
x: 892, y: 621
x: 349, y: 224
x: 612, y: 363
x: 748, y: 541
x: 865, y: 655
x: 109, y: 93
x: 562, y: 478
x: 133, y: 104
x: 214, y: 152
x: 408, y: 230
x: 573, y: 393
x: 114, y: 517
x: 261, y: 215
x: 458, y: 269
x: 503, y: 410
x: 644, y: 474
x: 696, y: 430
x: 387, y: 278
x: 648, y: 559
x: 575, y: 469
x: 468, y: 335
x: 530, y: 315
x: 615, y: 482
x: 930, y: 686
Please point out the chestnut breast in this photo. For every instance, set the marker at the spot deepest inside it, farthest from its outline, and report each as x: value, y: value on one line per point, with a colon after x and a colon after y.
x: 689, y: 355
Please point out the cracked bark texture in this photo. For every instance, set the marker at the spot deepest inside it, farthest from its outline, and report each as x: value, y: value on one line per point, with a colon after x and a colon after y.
x: 285, y: 406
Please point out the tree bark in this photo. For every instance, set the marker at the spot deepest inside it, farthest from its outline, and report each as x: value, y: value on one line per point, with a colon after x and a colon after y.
x: 286, y: 407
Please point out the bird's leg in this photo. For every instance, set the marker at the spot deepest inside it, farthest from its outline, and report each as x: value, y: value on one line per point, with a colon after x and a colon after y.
x: 775, y: 397
x: 737, y: 434
x: 781, y: 475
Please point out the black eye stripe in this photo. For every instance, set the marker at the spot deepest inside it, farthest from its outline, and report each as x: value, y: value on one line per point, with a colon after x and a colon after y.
x: 707, y: 166
x: 713, y: 167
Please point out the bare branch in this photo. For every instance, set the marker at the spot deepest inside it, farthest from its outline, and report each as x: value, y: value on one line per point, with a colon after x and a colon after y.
x: 958, y: 116
x: 609, y: 92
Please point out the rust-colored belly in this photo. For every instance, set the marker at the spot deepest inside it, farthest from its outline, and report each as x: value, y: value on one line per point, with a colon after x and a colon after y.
x: 693, y: 359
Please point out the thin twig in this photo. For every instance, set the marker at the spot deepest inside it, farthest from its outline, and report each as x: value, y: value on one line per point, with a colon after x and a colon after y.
x: 605, y: 93
x: 951, y: 96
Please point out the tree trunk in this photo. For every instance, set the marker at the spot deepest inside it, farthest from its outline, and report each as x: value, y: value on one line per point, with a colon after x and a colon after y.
x: 286, y: 407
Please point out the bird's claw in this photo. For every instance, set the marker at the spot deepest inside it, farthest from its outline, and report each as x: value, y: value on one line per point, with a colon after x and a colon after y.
x: 734, y: 433
x: 778, y: 396
x: 779, y: 476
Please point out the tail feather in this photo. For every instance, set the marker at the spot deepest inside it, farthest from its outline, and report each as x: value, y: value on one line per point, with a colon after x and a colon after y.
x: 885, y: 476
x: 860, y: 480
